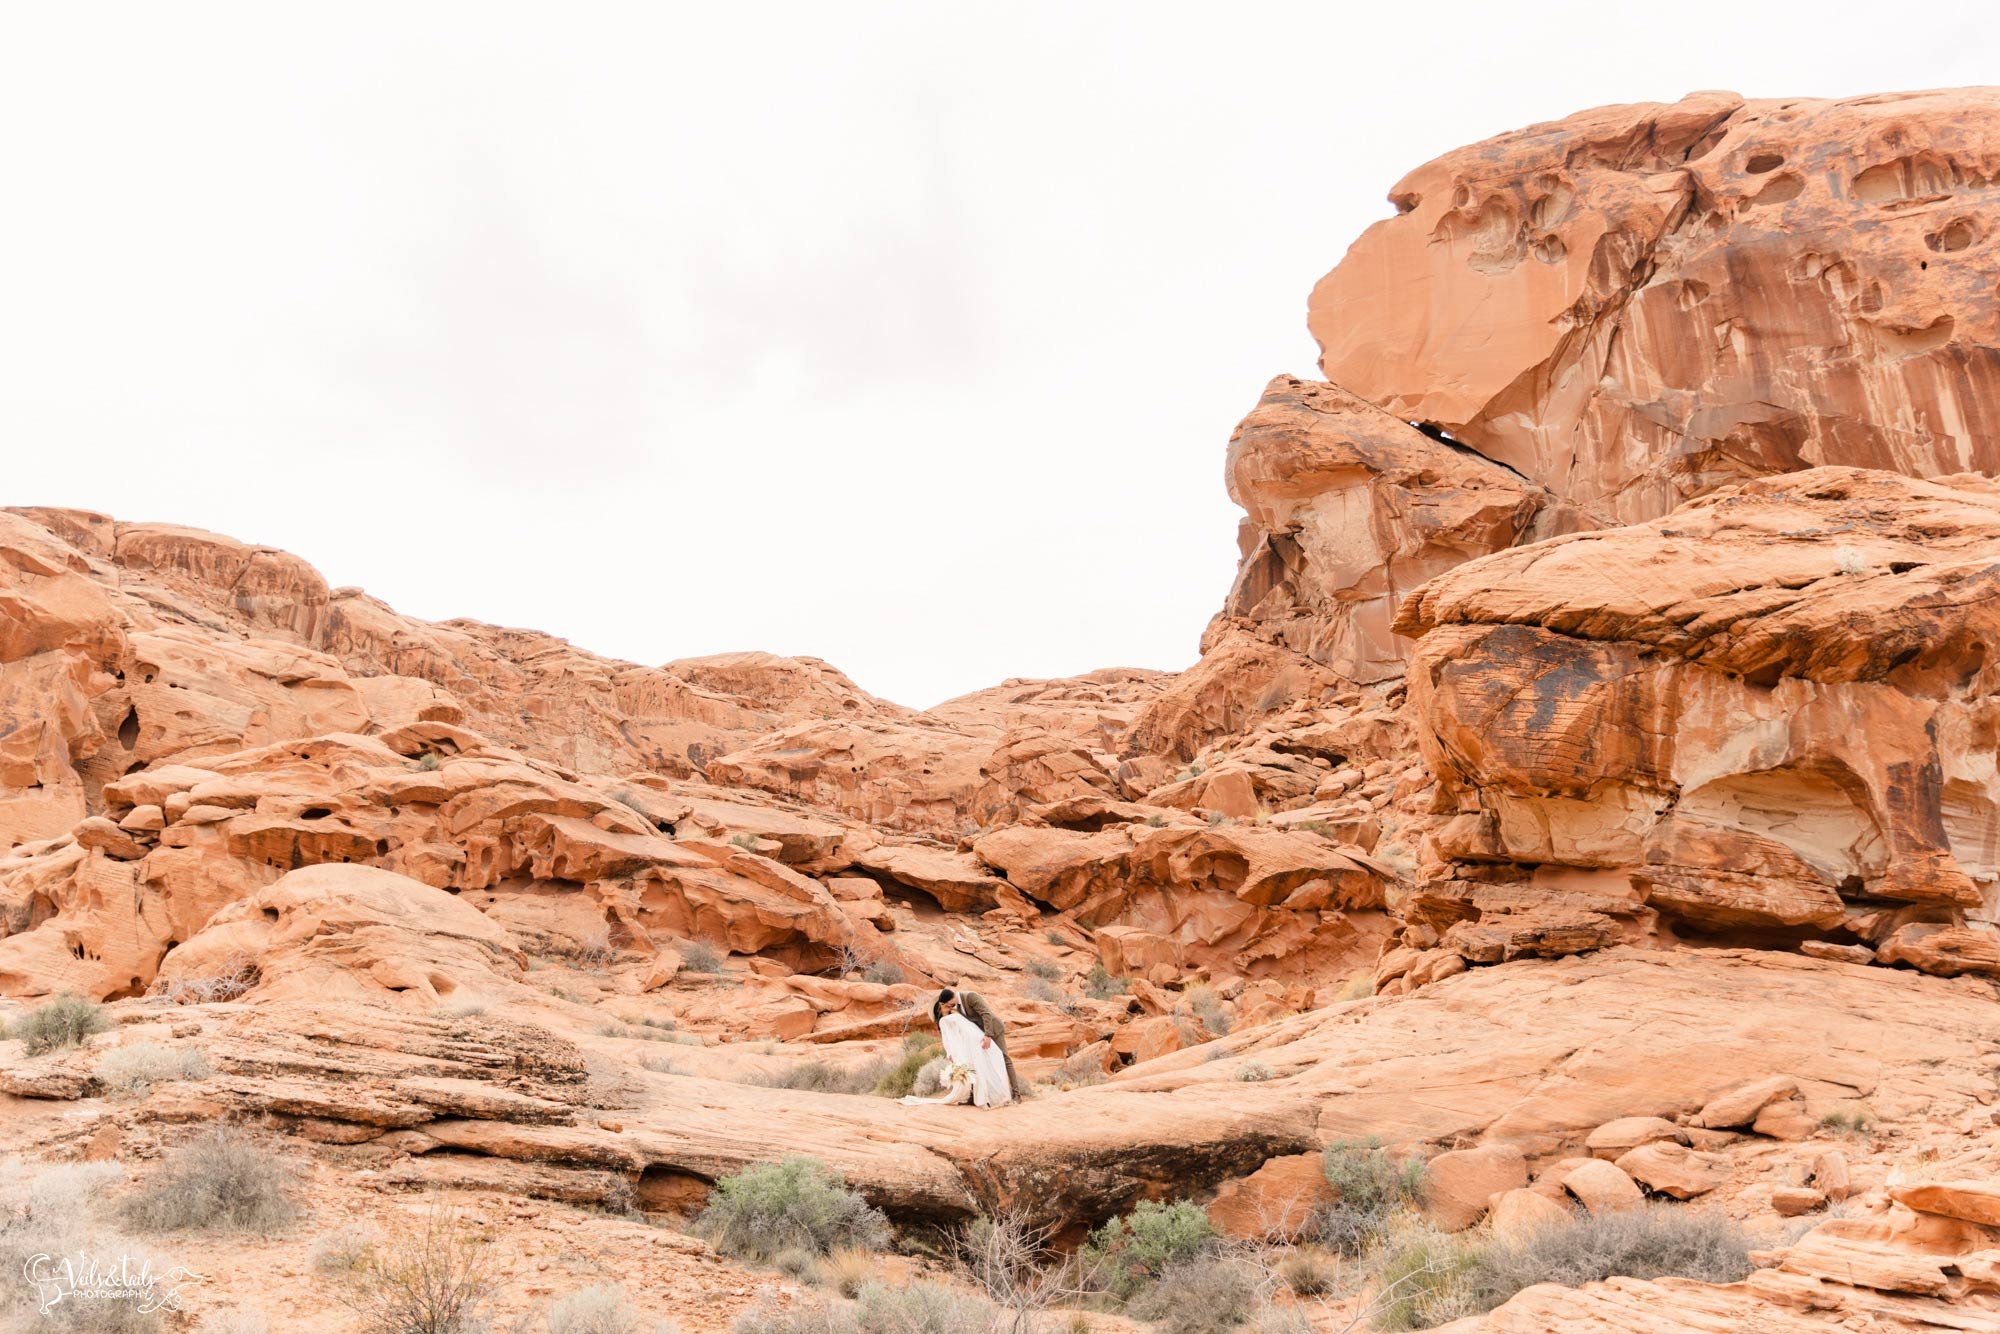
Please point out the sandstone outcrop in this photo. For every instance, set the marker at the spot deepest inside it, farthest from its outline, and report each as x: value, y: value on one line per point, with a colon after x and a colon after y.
x: 1766, y: 712
x: 1641, y: 303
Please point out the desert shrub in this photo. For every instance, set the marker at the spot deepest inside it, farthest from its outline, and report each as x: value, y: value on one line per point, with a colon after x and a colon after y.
x: 1128, y: 1253
x: 1208, y: 1295
x: 1046, y: 969
x: 1651, y: 1242
x: 235, y: 977
x: 1848, y: 1122
x: 930, y: 1077
x: 1055, y: 937
x: 700, y: 957
x: 1206, y: 1006
x: 53, y: 1214
x: 1372, y: 1187
x: 1102, y: 985
x: 1359, y: 986
x: 602, y: 1309
x: 591, y: 954
x: 219, y: 1182
x: 767, y: 1317
x: 1425, y: 1278
x: 465, y: 1009
x: 799, y: 1202
x: 132, y: 1070
x: 1362, y: 1174
x: 919, y: 1050
x: 748, y: 842
x: 429, y: 761
x: 817, y: 1076
x: 1156, y: 821
x: 847, y: 1270
x: 1041, y: 989
x: 1254, y: 1072
x: 437, y: 1281
x: 1308, y: 1271
x: 66, y: 1021
x: 800, y: 1264
x: 345, y: 1250
x: 661, y: 1065
x: 882, y: 971
x: 922, y: 1308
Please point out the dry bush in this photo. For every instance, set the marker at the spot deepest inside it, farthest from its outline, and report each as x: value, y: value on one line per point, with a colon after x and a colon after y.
x: 929, y: 1080
x: 1308, y: 1271
x: 1652, y: 1242
x: 235, y: 977
x: 54, y: 1213
x: 132, y: 1070
x: 1046, y: 969
x: 1210, y: 1294
x: 698, y: 957
x: 437, y: 1281
x: 882, y: 971
x: 767, y: 1317
x: 818, y: 1076
x: 603, y: 1309
x: 1426, y: 1278
x: 1254, y: 1072
x: 66, y: 1021
x: 922, y: 1308
x: 219, y: 1182
x: 798, y: 1203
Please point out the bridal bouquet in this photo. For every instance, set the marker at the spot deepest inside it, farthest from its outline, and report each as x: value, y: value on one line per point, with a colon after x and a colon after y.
x: 954, y: 1073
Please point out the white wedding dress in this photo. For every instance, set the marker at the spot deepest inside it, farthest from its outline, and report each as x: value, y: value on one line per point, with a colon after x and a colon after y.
x: 965, y: 1046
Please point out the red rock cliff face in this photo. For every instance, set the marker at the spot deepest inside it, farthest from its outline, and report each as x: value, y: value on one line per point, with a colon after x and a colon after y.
x: 1639, y: 304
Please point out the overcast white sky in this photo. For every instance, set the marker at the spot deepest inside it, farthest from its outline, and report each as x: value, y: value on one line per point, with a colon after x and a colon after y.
x: 909, y: 337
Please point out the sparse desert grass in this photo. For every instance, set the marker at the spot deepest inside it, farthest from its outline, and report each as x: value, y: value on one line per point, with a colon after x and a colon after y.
x: 437, y: 1280
x: 66, y: 1021
x: 1849, y: 1121
x: 1254, y: 1072
x: 1046, y: 969
x: 603, y: 1309
x: 747, y: 842
x: 847, y: 1270
x: 798, y: 1203
x: 345, y: 1250
x: 1202, y: 1002
x: 767, y: 1317
x: 221, y: 1181
x: 661, y: 1065
x: 882, y: 971
x: 132, y: 1070
x: 1101, y: 985
x: 465, y: 1009
x: 1358, y: 987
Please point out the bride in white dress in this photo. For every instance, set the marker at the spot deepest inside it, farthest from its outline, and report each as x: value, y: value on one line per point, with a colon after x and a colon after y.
x: 976, y: 1069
